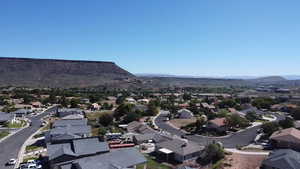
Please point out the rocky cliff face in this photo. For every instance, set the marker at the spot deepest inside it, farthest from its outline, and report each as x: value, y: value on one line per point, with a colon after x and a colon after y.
x: 60, y: 73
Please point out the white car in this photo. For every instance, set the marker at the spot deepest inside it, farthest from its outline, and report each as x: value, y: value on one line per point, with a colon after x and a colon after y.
x: 11, y: 162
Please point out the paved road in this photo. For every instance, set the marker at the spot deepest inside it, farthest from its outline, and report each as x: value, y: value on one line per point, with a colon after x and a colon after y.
x: 242, y: 138
x: 10, y: 147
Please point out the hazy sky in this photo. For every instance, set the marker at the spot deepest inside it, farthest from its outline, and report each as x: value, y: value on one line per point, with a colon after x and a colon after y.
x: 185, y: 37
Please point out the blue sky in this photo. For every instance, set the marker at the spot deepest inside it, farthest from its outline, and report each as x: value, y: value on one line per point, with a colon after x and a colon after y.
x: 192, y: 37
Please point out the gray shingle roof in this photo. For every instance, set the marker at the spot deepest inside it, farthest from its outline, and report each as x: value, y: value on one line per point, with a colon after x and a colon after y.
x: 63, y: 123
x: 5, y: 117
x: 180, y: 147
x: 118, y: 159
x: 78, y: 147
x: 283, y: 159
x: 77, y: 130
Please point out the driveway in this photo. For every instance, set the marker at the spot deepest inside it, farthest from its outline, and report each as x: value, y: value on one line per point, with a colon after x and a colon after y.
x: 10, y: 147
x: 242, y: 138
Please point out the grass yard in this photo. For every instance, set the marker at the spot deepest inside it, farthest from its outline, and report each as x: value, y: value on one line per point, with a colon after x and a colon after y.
x: 32, y: 148
x: 93, y: 116
x: 152, y: 164
x: 21, y: 124
x: 3, y: 134
x: 183, y: 122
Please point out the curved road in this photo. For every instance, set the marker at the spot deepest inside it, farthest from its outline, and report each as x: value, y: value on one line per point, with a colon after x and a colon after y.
x: 11, y: 146
x: 242, y: 138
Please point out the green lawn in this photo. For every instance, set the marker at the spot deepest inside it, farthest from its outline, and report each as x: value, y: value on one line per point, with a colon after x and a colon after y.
x: 152, y: 164
x: 3, y: 134
x: 32, y: 148
x: 16, y: 125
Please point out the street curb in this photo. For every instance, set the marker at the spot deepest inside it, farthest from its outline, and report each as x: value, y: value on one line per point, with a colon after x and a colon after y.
x: 22, y: 150
x: 11, y: 134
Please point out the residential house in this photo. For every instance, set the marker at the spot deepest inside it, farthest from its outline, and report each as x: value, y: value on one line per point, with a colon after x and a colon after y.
x: 36, y: 104
x: 7, y: 118
x: 185, y: 114
x: 165, y: 112
x: 178, y: 150
x: 287, y: 138
x: 95, y: 107
x: 65, y: 112
x: 151, y: 137
x: 130, y: 100
x: 22, y: 112
x: 65, y: 130
x: 209, y: 107
x: 126, y: 158
x: 282, y: 159
x: 139, y: 128
x: 75, y: 149
x: 143, y: 101
x: 217, y: 124
x: 73, y: 117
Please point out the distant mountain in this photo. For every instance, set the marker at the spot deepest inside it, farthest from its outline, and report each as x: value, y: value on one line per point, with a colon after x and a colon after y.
x: 268, y: 79
x: 61, y: 73
x: 292, y: 77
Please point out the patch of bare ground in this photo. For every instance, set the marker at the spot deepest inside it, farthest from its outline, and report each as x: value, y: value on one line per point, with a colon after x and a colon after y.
x: 243, y: 161
x: 182, y: 122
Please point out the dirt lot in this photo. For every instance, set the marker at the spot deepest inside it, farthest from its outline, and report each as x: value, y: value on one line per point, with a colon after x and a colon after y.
x: 241, y: 161
x: 182, y: 122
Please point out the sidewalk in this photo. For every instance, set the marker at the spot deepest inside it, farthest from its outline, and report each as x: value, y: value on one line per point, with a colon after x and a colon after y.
x: 246, y: 152
x: 11, y: 133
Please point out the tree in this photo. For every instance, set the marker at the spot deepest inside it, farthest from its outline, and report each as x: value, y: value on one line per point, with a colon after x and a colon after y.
x: 102, y: 131
x: 106, y: 119
x: 295, y: 113
x: 120, y: 100
x: 152, y: 109
x: 132, y: 116
x: 227, y: 103
x: 63, y: 101
x: 212, y: 154
x: 286, y: 123
x: 186, y: 96
x: 74, y: 103
x: 107, y: 106
x: 252, y: 116
x: 200, y: 122
x: 263, y: 103
x: 270, y: 127
x: 122, y: 110
x: 235, y: 120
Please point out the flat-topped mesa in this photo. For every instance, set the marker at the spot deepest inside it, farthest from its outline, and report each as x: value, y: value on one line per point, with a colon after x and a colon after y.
x: 59, y: 73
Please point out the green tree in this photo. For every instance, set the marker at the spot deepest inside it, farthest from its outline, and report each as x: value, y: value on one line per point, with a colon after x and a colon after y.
x: 212, y: 154
x: 187, y: 96
x: 236, y: 121
x: 263, y: 103
x: 132, y: 116
x: 122, y: 110
x: 106, y: 119
x: 252, y: 116
x: 102, y: 131
x: 287, y: 123
x: 200, y: 122
x: 74, y: 103
x: 270, y: 127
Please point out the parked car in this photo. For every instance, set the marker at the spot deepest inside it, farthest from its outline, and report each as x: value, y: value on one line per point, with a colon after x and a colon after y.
x: 11, y: 162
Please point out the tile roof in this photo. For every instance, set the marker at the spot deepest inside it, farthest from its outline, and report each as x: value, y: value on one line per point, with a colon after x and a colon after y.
x: 218, y: 121
x: 289, y: 135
